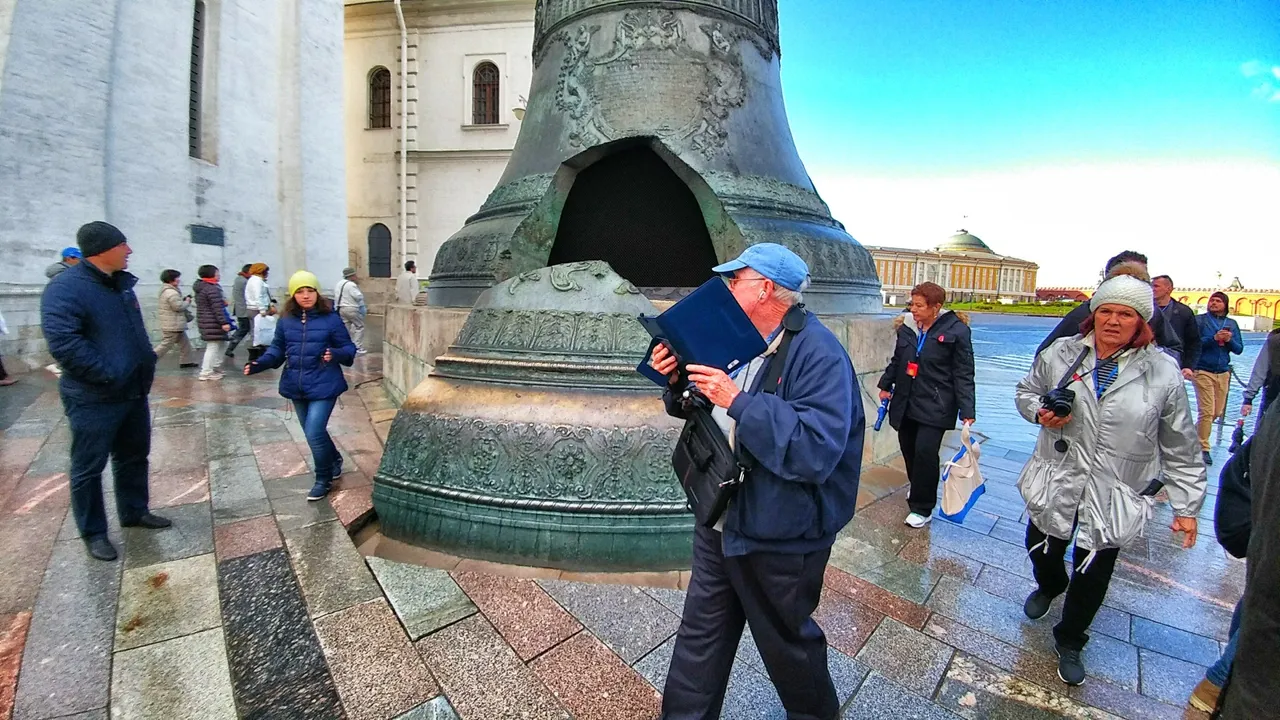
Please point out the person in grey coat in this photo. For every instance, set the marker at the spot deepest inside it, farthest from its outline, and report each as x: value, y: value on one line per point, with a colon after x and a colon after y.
x: 1090, y: 475
x: 71, y: 257
x: 1265, y: 378
x: 239, y: 309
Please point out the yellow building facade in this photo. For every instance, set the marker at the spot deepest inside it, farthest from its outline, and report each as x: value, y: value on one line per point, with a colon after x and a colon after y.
x: 962, y: 264
x: 1245, y: 302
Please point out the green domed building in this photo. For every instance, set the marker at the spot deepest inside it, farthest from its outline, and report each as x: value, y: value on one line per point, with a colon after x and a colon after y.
x: 963, y: 264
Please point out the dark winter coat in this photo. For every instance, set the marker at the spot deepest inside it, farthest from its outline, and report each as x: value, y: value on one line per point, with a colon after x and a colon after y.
x: 806, y: 441
x: 1183, y: 321
x: 1253, y: 692
x: 943, y: 389
x: 299, y: 345
x: 211, y: 310
x: 1216, y: 358
x: 1233, y: 513
x: 94, y: 329
x: 1166, y: 338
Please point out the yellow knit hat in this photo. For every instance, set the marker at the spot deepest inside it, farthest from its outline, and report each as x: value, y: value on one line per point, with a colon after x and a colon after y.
x: 302, y: 279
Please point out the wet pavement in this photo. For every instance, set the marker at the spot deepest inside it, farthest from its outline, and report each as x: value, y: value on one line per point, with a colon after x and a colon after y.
x: 260, y: 604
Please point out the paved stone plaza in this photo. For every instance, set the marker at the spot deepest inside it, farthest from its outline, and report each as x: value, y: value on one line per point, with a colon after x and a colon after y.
x: 259, y: 604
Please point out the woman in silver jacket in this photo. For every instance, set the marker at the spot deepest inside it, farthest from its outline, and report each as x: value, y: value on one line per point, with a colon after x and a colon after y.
x: 1093, y: 467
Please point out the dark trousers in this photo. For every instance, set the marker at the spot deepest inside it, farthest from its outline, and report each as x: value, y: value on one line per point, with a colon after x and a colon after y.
x: 121, y: 431
x: 1085, y: 591
x: 313, y: 415
x: 775, y: 594
x: 243, y: 328
x: 3, y: 374
x: 256, y: 352
x: 920, y: 446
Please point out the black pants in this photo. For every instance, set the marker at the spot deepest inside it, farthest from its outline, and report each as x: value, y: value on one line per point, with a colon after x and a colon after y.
x: 243, y: 328
x: 920, y: 445
x: 3, y: 374
x: 256, y: 352
x: 122, y: 432
x: 775, y: 594
x: 1085, y: 591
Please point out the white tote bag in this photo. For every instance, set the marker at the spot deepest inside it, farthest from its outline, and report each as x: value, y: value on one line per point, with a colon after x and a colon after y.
x: 264, y: 329
x: 962, y: 483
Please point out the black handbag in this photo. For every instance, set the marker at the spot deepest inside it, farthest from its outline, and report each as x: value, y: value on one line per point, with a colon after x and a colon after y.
x: 709, y: 469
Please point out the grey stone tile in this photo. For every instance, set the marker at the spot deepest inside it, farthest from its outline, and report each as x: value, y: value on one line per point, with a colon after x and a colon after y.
x: 847, y: 674
x: 904, y: 579
x: 294, y: 512
x: 1006, y: 556
x: 751, y: 696
x: 182, y: 678
x: 190, y: 535
x: 69, y: 531
x: 1112, y: 622
x: 277, y: 667
x: 857, y: 557
x: 438, y: 709
x: 653, y: 667
x: 424, y: 599
x: 880, y: 698
x: 66, y: 665
x: 331, y: 572
x: 235, y: 486
x: 1112, y: 660
x: 1175, y: 609
x: 1175, y: 643
x: 911, y: 659
x: 978, y: 691
x: 100, y: 714
x: 227, y: 438
x: 995, y: 616
x: 976, y: 520
x: 1168, y: 679
x: 672, y: 600
x: 1108, y: 621
x: 169, y: 600
x: 1010, y: 531
x: 630, y: 622
x: 296, y: 486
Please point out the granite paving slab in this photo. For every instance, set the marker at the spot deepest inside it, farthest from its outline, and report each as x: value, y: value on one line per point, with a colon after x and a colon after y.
x: 908, y: 657
x: 330, y: 570
x: 28, y: 542
x: 1169, y: 679
x: 1128, y: 703
x: 52, y: 458
x: 906, y: 580
x: 66, y: 667
x: 978, y: 691
x: 847, y: 624
x: 977, y: 520
x: 16, y: 454
x: 246, y: 537
x: 1108, y: 621
x: 46, y: 492
x: 876, y: 597
x: 1113, y: 660
x: 226, y: 438
x: 277, y: 667
x: 13, y: 638
x: 235, y: 487
x: 672, y: 600
x: 943, y: 561
x: 178, y: 487
x: 857, y: 557
x: 191, y: 534
x: 881, y: 698
x: 483, y: 677
x: 1174, y: 642
x: 185, y: 678
x: 594, y: 683
x: 1010, y: 531
x: 168, y: 600
x: 294, y: 512
x: 996, y: 616
x: 1038, y: 668
x: 1167, y: 606
x: 749, y: 693
x: 437, y: 709
x: 983, y: 548
x: 377, y: 671
x: 630, y: 622
x: 424, y: 599
x: 292, y: 486
x: 353, y: 506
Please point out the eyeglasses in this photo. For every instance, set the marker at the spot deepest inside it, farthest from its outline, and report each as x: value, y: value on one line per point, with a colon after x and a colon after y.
x: 735, y: 281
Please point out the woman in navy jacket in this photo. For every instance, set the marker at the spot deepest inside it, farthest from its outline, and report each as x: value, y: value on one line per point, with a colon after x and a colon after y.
x: 311, y: 342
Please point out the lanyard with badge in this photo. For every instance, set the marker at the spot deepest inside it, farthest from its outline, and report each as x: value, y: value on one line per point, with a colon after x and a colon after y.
x: 913, y: 367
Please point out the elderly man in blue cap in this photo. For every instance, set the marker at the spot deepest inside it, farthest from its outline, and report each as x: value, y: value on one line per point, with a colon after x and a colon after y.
x: 763, y: 563
x: 71, y: 257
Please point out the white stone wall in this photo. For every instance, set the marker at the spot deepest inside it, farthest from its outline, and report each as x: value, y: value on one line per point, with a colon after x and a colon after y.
x: 93, y: 125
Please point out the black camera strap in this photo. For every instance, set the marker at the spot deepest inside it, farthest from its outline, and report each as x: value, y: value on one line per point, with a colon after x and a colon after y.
x: 1071, y: 371
x: 792, y: 323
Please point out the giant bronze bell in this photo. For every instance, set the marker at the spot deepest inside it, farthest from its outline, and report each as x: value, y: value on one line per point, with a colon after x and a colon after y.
x: 655, y: 140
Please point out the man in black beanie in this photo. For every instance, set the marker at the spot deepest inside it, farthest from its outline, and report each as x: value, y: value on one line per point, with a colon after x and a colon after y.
x: 93, y: 326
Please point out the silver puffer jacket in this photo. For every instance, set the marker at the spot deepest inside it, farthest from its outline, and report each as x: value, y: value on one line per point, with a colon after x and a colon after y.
x: 1141, y: 429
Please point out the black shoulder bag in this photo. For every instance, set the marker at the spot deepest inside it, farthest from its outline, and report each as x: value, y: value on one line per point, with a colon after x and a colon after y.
x: 710, y: 470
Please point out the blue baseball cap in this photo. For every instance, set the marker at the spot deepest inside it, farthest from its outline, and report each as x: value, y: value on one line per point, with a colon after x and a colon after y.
x: 772, y: 261
x: 71, y: 252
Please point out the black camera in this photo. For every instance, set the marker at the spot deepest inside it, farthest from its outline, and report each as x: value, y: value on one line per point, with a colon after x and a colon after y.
x: 1059, y: 401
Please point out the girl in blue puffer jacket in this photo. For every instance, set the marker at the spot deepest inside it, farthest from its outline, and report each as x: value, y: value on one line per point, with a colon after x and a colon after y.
x: 311, y: 342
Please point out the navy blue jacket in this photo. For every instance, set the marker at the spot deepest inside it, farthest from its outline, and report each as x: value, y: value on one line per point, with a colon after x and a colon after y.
x: 807, y: 444
x: 1216, y: 358
x: 93, y: 326
x: 299, y: 345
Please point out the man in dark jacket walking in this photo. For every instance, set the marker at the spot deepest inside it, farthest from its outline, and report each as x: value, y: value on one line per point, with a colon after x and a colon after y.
x: 94, y: 328
x: 1183, y: 321
x: 1069, y: 326
x: 763, y: 565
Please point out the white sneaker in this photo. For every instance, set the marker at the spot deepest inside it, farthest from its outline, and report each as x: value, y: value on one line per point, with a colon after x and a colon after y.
x: 362, y: 351
x: 212, y: 376
x: 53, y: 368
x: 917, y: 520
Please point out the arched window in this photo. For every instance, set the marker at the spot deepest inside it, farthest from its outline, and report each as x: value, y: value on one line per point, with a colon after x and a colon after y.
x: 379, y: 251
x: 484, y: 94
x: 380, y: 98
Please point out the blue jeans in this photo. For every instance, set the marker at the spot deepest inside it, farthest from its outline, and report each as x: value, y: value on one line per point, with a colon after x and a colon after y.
x: 1221, y: 669
x: 120, y: 431
x: 314, y: 417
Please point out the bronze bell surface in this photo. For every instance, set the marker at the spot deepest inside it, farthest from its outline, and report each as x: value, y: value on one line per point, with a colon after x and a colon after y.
x: 655, y: 139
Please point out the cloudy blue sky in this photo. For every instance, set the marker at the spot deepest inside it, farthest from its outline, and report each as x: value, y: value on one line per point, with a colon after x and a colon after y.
x: 1057, y: 131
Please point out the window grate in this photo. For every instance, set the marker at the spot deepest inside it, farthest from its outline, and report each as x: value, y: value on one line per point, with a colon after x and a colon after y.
x: 196, y: 89
x: 380, y: 98
x: 484, y: 94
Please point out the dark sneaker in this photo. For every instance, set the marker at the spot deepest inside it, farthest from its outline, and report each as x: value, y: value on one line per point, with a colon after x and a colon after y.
x: 1070, y: 667
x: 337, y: 469
x: 1037, y: 605
x: 185, y: 366
x: 1208, y: 459
x: 149, y: 521
x: 102, y: 549
x: 318, y: 491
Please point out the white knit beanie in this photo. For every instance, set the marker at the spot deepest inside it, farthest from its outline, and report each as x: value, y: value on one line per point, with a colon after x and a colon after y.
x: 1128, y: 291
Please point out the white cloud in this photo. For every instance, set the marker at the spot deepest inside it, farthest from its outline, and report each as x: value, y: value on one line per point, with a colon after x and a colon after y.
x: 1192, y: 219
x: 1266, y: 88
